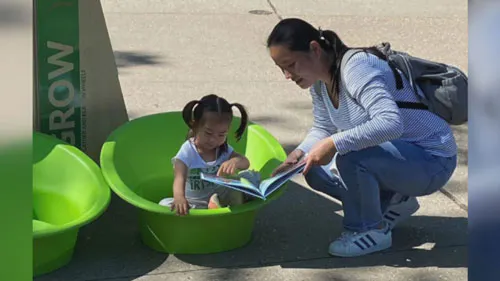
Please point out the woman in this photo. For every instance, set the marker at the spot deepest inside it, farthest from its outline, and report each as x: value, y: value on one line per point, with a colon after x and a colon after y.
x: 385, y: 156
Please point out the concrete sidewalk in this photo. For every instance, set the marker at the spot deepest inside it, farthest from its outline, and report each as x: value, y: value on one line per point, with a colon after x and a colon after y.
x: 169, y: 52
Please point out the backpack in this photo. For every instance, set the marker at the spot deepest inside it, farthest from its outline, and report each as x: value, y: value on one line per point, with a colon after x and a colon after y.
x: 444, y: 86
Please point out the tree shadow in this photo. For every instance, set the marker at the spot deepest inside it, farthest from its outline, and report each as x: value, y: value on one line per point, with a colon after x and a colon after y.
x: 296, y: 230
x: 14, y: 14
x: 125, y: 59
x: 266, y: 119
x: 110, y: 247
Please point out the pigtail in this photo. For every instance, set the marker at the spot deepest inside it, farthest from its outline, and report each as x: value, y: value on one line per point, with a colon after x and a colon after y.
x: 187, y: 113
x: 244, y: 120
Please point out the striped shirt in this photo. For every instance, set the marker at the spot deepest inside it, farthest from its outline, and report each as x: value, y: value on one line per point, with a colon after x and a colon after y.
x: 368, y: 115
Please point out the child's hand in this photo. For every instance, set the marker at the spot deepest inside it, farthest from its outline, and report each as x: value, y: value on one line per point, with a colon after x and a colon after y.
x: 180, y: 205
x: 229, y: 167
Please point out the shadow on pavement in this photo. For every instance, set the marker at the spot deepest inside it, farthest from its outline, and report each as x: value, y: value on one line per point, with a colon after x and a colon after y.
x: 295, y: 232
x: 14, y: 15
x: 128, y: 58
x: 110, y: 247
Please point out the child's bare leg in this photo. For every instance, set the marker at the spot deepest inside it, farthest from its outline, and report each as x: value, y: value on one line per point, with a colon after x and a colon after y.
x: 213, y: 202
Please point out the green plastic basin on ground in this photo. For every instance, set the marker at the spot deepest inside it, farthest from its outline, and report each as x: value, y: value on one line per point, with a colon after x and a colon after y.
x: 68, y: 192
x: 136, y: 163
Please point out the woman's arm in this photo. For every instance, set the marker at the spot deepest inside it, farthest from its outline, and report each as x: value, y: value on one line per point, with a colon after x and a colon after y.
x: 367, y: 83
x: 322, y: 124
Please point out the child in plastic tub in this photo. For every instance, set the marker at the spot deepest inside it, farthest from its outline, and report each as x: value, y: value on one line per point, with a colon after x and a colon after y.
x: 206, y: 151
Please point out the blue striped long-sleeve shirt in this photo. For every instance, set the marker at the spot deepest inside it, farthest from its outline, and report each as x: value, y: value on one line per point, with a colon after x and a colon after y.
x: 368, y: 114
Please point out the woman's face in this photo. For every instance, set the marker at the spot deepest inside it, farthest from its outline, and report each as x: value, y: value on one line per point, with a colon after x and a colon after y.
x: 301, y: 67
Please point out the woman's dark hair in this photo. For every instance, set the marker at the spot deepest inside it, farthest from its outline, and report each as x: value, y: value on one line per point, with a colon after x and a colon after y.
x: 193, y: 113
x: 297, y: 34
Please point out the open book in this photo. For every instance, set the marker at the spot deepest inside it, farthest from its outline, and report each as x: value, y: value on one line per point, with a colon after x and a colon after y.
x: 250, y: 183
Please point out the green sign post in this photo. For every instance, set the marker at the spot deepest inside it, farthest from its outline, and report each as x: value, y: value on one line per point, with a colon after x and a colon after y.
x: 78, y: 96
x: 58, y: 77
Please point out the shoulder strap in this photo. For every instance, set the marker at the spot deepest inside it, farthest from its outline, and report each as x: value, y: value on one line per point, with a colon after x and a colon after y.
x: 385, y: 49
x: 347, y: 56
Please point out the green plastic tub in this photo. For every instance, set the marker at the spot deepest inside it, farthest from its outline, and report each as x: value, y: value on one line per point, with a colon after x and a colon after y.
x: 68, y: 192
x: 136, y: 163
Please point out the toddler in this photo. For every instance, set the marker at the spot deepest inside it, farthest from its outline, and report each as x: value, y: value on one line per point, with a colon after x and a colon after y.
x: 206, y: 151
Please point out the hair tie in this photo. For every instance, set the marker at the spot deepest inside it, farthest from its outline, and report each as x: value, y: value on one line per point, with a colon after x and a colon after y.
x: 321, y: 37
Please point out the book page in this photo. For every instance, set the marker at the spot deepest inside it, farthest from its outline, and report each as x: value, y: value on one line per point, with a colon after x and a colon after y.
x: 271, y: 184
x: 250, y: 175
x: 237, y: 183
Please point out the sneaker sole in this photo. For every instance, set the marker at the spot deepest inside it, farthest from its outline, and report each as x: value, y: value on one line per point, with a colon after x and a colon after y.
x: 371, y: 251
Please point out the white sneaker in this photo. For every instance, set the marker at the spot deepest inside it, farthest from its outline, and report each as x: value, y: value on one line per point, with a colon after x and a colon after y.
x: 400, y: 208
x: 352, y: 244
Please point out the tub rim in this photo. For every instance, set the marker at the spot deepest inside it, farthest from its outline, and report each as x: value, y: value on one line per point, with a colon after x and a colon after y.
x: 124, y: 192
x: 103, y: 197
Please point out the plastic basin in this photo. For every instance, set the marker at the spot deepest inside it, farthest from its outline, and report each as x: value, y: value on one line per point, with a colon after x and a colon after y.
x: 136, y: 163
x: 68, y: 193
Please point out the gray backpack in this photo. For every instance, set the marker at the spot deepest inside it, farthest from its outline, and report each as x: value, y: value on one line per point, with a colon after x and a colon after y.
x: 444, y: 86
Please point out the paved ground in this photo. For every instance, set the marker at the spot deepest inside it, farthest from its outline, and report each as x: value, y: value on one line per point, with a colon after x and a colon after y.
x: 169, y: 52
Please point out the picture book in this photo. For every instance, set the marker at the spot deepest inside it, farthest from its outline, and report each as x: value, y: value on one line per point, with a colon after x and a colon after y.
x: 250, y: 182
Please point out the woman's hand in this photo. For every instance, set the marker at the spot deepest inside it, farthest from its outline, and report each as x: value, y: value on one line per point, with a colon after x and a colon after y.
x: 321, y: 154
x: 180, y: 205
x: 292, y: 159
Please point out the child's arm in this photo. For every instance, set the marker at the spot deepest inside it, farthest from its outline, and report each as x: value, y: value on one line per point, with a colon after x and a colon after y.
x: 180, y: 176
x: 236, y: 162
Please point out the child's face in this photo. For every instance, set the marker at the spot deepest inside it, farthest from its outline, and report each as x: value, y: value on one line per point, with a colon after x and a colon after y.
x: 213, y: 132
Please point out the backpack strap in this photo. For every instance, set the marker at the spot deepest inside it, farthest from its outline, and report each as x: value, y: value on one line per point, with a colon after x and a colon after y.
x: 347, y: 56
x: 397, y: 75
x: 351, y: 52
x: 411, y: 105
x: 399, y: 81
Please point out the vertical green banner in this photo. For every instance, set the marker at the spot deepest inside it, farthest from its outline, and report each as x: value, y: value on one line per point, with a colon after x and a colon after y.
x: 59, y: 99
